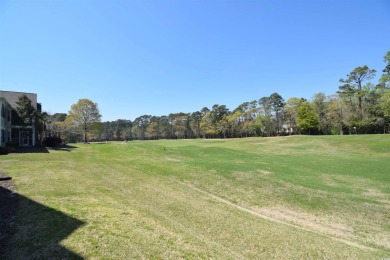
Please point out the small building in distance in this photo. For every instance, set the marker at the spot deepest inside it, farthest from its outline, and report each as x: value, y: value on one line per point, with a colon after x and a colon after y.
x: 15, y: 130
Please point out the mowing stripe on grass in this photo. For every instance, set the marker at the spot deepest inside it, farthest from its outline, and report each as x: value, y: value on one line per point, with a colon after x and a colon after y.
x: 225, y: 201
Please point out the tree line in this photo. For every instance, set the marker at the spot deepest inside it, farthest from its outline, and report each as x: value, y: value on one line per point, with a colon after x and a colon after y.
x: 359, y: 107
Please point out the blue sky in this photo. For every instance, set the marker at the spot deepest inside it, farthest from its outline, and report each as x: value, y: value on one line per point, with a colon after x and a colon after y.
x: 160, y: 57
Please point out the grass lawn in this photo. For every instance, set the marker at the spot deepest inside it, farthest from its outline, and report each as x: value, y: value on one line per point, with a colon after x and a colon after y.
x: 300, y: 197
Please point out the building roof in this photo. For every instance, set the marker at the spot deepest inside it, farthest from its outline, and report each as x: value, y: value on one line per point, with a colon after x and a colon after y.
x: 4, y: 101
x: 12, y: 97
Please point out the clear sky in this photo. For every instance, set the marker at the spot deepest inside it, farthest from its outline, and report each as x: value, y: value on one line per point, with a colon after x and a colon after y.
x: 165, y: 56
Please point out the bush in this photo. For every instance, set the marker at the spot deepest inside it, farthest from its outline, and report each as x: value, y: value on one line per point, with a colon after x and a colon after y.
x: 3, y: 151
x: 10, y: 144
x: 10, y: 147
x: 52, y: 141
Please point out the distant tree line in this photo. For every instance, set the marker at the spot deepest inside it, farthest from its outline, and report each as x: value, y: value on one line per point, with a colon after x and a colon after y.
x: 359, y: 107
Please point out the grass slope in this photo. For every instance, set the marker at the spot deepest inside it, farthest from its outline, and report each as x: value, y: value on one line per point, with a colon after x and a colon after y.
x: 288, y: 197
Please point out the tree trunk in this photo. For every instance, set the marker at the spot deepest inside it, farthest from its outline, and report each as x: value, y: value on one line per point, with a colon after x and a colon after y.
x: 85, y: 133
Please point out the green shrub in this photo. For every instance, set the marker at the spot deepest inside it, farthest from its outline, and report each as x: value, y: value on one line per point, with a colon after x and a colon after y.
x: 3, y: 151
x: 10, y: 144
x: 52, y: 141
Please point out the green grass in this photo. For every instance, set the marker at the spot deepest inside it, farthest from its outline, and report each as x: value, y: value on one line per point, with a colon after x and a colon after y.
x: 285, y: 198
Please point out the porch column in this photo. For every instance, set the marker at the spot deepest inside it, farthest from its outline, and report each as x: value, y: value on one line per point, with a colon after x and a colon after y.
x: 33, y: 132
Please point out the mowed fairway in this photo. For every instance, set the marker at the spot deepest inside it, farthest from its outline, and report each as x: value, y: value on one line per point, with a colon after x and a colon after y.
x: 300, y: 197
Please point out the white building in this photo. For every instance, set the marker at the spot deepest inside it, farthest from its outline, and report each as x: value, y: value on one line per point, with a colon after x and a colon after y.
x: 15, y: 130
x: 5, y: 121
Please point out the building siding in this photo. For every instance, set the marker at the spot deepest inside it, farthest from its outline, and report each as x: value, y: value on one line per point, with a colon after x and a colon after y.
x: 5, y: 122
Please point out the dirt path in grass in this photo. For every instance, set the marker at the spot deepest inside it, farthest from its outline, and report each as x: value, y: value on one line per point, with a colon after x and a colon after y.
x: 258, y: 213
x: 8, y: 207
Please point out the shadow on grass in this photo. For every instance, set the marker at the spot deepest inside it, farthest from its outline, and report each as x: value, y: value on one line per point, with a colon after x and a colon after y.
x: 29, y: 230
x: 65, y: 148
x: 31, y: 150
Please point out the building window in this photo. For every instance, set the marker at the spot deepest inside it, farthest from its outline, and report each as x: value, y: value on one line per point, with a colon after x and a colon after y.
x: 5, y: 112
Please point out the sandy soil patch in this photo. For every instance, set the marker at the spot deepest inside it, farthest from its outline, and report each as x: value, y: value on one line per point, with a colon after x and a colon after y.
x: 172, y: 159
x: 264, y: 172
x: 319, y: 224
x: 377, y: 194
